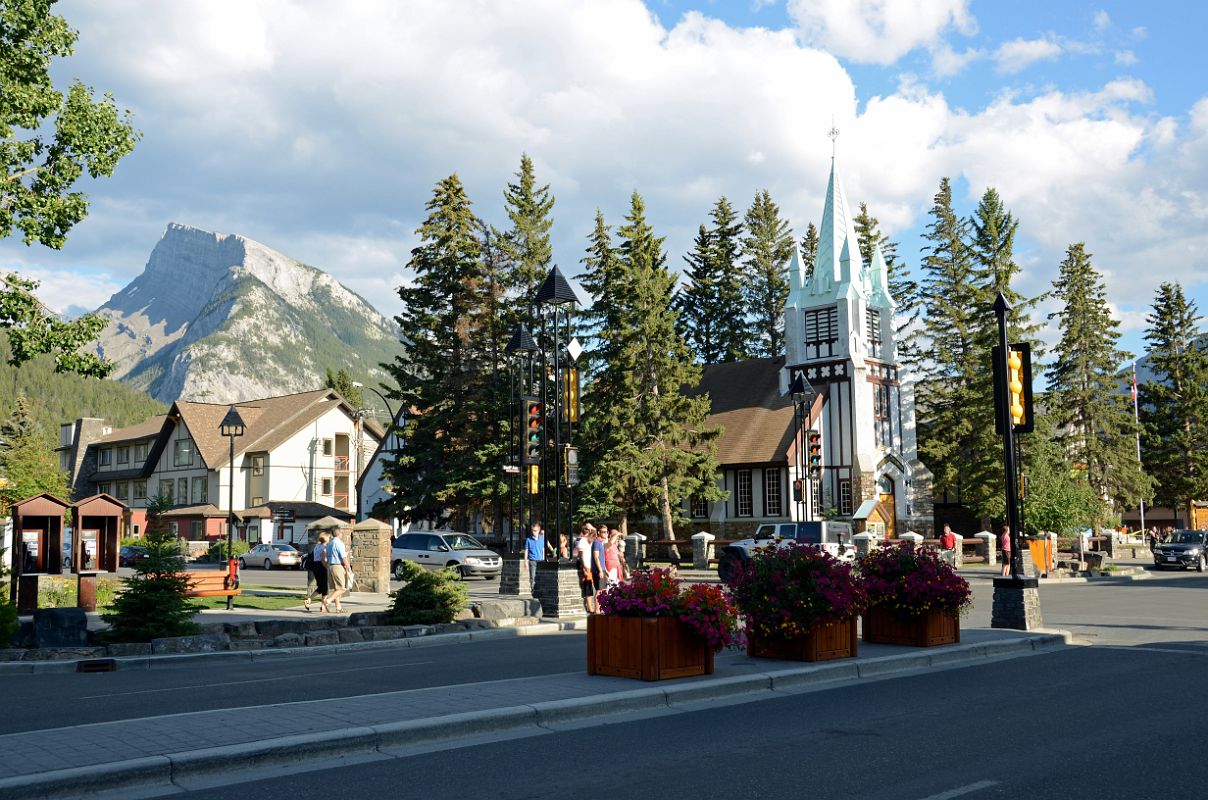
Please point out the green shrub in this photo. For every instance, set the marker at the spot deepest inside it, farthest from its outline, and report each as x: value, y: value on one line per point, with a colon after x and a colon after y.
x: 427, y: 597
x: 218, y: 551
x: 154, y: 604
x: 132, y: 541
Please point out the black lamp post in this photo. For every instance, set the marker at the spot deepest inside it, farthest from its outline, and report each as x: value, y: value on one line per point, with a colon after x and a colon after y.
x: 385, y: 402
x: 520, y: 344
x: 556, y: 292
x: 232, y: 426
x: 803, y: 398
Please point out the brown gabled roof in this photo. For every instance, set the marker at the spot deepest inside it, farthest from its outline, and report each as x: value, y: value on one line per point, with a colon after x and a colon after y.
x: 143, y: 430
x: 745, y: 400
x: 268, y: 422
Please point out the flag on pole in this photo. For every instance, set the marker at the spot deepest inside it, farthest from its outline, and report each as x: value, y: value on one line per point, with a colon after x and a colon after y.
x: 1134, y: 383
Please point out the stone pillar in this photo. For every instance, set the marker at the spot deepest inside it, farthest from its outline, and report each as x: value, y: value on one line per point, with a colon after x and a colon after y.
x: 369, y: 554
x: 865, y: 543
x: 702, y: 549
x: 1016, y: 604
x: 958, y: 555
x: 1110, y: 545
x: 911, y: 537
x: 557, y: 588
x: 985, y: 547
x: 514, y: 580
x: 635, y: 550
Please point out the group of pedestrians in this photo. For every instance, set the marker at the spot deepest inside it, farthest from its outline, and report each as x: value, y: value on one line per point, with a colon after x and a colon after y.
x: 328, y: 572
x: 601, y: 560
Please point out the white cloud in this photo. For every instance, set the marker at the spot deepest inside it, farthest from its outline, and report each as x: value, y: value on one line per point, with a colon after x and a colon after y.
x: 1126, y: 58
x: 1018, y: 54
x: 1101, y: 20
x: 879, y: 31
x: 321, y: 135
x: 946, y: 62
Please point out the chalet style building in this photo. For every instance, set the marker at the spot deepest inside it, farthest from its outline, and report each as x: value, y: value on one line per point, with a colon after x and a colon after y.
x: 840, y: 335
x: 299, y: 460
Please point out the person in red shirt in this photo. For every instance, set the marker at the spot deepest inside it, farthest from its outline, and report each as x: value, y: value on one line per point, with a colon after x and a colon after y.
x: 1004, y: 544
x: 948, y: 545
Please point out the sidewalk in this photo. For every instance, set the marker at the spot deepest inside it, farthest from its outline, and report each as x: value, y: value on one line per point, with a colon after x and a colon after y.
x: 199, y: 748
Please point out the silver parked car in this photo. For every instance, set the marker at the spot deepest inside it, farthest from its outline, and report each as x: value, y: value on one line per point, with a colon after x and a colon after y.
x: 440, y: 549
x: 271, y: 555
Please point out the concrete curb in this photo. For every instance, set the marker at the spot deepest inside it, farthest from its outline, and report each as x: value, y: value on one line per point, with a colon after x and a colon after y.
x: 194, y: 767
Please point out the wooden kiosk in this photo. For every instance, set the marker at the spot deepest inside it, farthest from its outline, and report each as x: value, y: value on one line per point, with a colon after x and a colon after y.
x: 37, y: 545
x: 98, y: 525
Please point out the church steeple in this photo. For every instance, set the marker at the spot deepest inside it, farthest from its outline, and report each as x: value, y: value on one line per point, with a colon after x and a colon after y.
x: 839, y: 267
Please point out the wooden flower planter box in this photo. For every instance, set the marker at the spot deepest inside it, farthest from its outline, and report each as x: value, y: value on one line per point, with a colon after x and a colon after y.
x: 645, y: 648
x: 824, y: 643
x: 883, y: 626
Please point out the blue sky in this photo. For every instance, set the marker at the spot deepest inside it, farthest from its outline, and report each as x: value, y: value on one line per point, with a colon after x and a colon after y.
x: 320, y: 129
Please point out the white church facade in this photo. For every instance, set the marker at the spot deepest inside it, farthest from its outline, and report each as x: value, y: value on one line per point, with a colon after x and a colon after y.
x: 839, y: 333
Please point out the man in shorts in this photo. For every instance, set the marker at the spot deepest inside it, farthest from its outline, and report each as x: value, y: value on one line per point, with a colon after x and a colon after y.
x: 583, y: 556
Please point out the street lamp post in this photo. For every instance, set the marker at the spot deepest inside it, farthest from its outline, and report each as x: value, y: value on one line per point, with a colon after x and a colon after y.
x: 803, y: 398
x: 556, y: 292
x: 385, y: 402
x: 520, y: 344
x: 232, y: 426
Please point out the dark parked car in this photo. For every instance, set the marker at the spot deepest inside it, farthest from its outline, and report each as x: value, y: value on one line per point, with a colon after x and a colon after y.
x: 131, y: 554
x: 1185, y: 549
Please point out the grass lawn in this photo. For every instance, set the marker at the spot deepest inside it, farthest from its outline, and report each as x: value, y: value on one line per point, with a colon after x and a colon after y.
x: 251, y: 601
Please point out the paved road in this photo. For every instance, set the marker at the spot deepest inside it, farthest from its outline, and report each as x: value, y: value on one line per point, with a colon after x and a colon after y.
x: 1036, y: 728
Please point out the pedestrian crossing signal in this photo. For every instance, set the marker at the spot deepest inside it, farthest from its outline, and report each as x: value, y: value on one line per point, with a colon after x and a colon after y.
x: 533, y: 434
x: 534, y: 479
x: 1017, y: 393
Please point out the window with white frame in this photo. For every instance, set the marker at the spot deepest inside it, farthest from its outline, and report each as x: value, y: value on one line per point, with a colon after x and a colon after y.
x: 772, y: 505
x: 182, y: 491
x: 326, y: 487
x: 140, y: 490
x: 121, y: 490
x: 328, y: 448
x: 700, y: 508
x: 743, y: 481
x: 257, y: 465
x: 196, y: 529
x: 167, y: 488
x: 845, y: 497
x: 182, y: 453
x: 201, y: 490
x: 140, y: 452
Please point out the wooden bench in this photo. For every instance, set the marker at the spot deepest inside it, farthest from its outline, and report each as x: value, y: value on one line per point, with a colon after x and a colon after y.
x: 209, y: 584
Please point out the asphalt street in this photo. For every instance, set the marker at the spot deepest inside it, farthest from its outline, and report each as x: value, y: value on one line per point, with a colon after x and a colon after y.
x: 1079, y: 722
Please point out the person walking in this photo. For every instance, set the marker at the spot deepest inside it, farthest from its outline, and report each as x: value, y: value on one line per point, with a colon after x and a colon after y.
x: 338, y: 570
x: 948, y: 545
x: 316, y: 573
x: 1004, y: 545
x: 620, y: 537
x: 534, y: 551
x: 583, y: 556
x: 599, y: 572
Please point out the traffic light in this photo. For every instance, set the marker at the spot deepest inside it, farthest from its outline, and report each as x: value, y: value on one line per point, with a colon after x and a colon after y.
x: 1018, y: 387
x: 813, y: 451
x: 570, y: 395
x: 534, y: 479
x: 532, y: 413
x: 798, y: 490
x: 570, y: 459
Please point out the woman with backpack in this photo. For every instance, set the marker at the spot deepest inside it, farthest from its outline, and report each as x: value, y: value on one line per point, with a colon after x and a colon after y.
x: 316, y: 573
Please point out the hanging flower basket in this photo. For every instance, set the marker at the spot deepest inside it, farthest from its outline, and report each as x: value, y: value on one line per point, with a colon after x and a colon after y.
x: 651, y: 629
x: 915, y: 598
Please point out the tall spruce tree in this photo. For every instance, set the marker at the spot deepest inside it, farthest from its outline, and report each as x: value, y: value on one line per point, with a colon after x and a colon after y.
x: 809, y: 249
x: 1174, y: 405
x: 27, y: 457
x: 733, y: 330
x: 527, y: 243
x: 1095, y: 418
x: 696, y: 300
x: 951, y: 299
x: 766, y: 249
x: 444, y: 372
x: 903, y: 288
x: 342, y: 382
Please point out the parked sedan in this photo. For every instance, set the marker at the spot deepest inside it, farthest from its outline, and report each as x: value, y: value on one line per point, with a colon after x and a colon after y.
x: 1185, y: 549
x: 131, y: 554
x: 271, y: 555
x: 440, y: 549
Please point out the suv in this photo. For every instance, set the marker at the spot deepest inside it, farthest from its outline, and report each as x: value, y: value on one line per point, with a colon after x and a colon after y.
x: 833, y: 537
x: 440, y: 549
x: 1184, y: 549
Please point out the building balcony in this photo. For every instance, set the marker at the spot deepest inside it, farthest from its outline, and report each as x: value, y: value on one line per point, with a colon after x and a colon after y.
x: 342, y: 463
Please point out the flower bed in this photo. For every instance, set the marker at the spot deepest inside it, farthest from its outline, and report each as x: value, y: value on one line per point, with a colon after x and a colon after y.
x: 915, y: 598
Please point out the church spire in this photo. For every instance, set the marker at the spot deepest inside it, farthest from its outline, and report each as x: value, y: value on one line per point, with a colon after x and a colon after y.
x: 838, y: 262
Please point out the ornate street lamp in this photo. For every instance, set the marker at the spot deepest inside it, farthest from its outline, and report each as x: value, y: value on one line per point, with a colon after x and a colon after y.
x: 555, y: 291
x: 521, y: 344
x: 232, y: 426
x: 803, y: 398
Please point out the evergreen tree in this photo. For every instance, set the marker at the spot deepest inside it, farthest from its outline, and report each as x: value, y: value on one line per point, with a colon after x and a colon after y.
x: 154, y: 604
x: 1059, y: 498
x: 809, y: 250
x: 659, y: 453
x: 903, y: 289
x: 50, y: 140
x: 27, y: 458
x: 1174, y: 406
x: 1095, y: 417
x: 444, y: 371
x: 767, y: 248
x: 527, y: 244
x: 696, y: 300
x: 342, y: 382
x: 946, y: 396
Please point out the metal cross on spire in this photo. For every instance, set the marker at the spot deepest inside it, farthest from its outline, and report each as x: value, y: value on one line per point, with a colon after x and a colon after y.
x: 833, y: 133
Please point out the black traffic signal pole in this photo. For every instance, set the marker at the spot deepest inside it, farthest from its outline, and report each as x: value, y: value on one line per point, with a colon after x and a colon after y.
x: 557, y: 418
x: 1001, y: 307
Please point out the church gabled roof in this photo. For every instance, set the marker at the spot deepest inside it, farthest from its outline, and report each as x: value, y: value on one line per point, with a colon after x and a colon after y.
x: 745, y: 399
